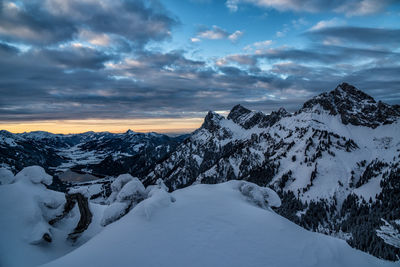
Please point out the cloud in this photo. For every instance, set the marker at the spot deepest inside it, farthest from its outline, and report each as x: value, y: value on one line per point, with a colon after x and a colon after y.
x: 47, y: 22
x: 358, y: 35
x: 362, y: 7
x: 88, y: 59
x: 326, y: 24
x: 258, y: 47
x: 216, y: 33
x: 235, y: 36
x: 96, y: 85
x: 349, y: 7
x: 195, y: 40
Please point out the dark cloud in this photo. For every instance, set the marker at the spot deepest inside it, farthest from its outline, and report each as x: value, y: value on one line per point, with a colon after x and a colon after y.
x: 55, y: 21
x: 321, y: 54
x: 369, y: 36
x: 348, y: 7
x: 73, y: 57
x: 8, y: 49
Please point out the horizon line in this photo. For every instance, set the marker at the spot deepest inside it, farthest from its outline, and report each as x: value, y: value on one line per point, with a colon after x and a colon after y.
x: 170, y: 126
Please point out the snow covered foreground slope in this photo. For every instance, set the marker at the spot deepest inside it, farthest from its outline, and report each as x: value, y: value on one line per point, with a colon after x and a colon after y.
x: 211, y: 225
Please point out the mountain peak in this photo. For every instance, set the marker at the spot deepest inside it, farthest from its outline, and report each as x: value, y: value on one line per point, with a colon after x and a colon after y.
x: 281, y: 112
x: 348, y: 90
x: 211, y: 121
x: 130, y: 132
x: 237, y: 112
x: 353, y: 106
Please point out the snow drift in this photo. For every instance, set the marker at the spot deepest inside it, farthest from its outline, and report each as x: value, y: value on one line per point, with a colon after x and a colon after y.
x: 26, y: 207
x: 227, y: 224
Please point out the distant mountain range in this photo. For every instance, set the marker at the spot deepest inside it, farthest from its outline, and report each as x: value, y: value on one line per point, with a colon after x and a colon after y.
x: 335, y: 162
x: 101, y: 154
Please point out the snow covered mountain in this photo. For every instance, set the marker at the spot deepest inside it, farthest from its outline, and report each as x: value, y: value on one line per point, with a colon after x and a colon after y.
x: 100, y: 154
x: 229, y: 224
x: 335, y: 163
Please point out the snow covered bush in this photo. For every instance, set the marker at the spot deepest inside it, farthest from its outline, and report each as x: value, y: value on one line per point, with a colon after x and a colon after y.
x: 117, y: 185
x: 263, y: 197
x: 6, y: 176
x: 38, y: 204
x: 35, y: 175
x: 127, y: 192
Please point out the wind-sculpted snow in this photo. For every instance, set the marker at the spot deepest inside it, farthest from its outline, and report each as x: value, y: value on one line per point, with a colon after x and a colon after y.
x: 210, y: 225
x: 26, y: 207
x: 263, y: 197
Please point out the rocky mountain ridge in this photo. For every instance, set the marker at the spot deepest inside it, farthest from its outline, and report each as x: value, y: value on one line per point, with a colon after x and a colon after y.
x: 334, y: 158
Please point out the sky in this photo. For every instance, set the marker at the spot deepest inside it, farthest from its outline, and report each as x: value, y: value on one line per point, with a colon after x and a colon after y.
x: 69, y: 66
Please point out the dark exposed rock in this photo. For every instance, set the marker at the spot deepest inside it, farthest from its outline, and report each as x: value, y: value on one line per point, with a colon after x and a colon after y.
x: 354, y: 107
x: 211, y: 121
x: 249, y: 119
x: 46, y: 237
x: 86, y: 215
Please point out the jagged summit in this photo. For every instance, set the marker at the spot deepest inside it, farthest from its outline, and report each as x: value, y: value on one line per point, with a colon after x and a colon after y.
x: 211, y: 121
x: 351, y: 104
x: 237, y: 112
x: 130, y: 132
x: 349, y: 90
x: 281, y: 111
x: 249, y: 119
x: 354, y: 106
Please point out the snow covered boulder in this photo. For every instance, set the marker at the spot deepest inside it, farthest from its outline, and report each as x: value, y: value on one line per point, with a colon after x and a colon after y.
x: 35, y: 175
x: 263, y: 197
x: 127, y: 192
x: 6, y: 176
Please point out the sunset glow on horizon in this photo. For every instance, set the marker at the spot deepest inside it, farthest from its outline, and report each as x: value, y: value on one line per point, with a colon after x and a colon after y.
x: 164, y: 125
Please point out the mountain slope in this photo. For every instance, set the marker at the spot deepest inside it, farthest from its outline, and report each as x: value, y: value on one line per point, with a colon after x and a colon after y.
x: 211, y: 225
x: 335, y: 163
